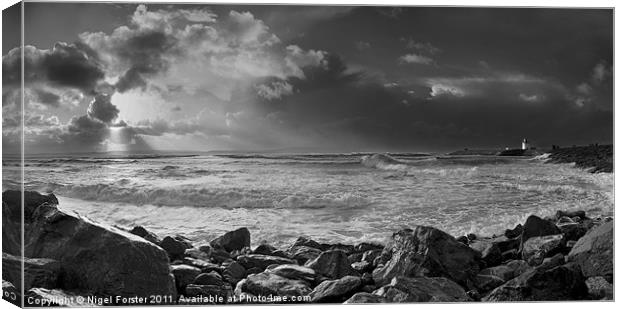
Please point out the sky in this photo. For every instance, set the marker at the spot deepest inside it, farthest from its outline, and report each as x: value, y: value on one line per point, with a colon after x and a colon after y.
x: 158, y: 77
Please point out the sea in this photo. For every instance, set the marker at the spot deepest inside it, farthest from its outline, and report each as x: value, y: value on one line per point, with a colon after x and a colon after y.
x: 347, y: 197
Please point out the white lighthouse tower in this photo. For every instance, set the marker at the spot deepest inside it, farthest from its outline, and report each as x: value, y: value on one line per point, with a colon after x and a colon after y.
x: 525, y: 145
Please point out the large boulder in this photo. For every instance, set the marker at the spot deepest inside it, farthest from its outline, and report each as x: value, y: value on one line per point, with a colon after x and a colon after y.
x: 233, y: 272
x: 174, y: 247
x: 535, y: 226
x: 594, y: 251
x: 234, y: 240
x: 260, y: 261
x: 41, y: 272
x: 563, y: 282
x: 333, y: 264
x: 336, y: 290
x: 303, y: 254
x: 268, y: 283
x: 94, y: 257
x: 489, y: 252
x: 536, y: 249
x: 422, y: 289
x: 429, y: 252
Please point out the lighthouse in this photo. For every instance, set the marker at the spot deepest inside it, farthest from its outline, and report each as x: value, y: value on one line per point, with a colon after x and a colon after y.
x: 525, y: 145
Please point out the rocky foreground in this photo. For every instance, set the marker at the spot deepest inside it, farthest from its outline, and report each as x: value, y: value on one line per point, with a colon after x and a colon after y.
x: 71, y: 260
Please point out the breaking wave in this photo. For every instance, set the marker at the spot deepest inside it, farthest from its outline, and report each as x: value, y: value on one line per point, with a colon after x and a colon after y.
x: 384, y: 162
x: 206, y: 197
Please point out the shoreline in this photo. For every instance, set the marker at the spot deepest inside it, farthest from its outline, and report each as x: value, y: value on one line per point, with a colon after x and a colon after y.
x: 569, y: 254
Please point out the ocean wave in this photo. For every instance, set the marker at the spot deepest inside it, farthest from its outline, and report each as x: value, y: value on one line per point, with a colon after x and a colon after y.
x: 203, y: 197
x: 383, y: 162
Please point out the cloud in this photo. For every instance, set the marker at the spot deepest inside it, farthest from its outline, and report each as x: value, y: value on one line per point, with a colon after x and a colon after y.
x: 414, y: 58
x: 362, y: 45
x: 275, y: 90
x: 600, y: 72
x: 65, y: 65
x: 425, y: 47
x: 102, y: 109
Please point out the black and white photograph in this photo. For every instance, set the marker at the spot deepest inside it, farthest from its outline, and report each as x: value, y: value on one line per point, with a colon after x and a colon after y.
x: 168, y: 154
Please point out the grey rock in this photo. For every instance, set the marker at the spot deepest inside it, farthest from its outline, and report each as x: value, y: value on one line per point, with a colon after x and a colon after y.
x: 261, y: 261
x: 336, y: 290
x: 594, y: 251
x: 427, y: 251
x: 333, y: 264
x: 234, y: 240
x: 422, y: 289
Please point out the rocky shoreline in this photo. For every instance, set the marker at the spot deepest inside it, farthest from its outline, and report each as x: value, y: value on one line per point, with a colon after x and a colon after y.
x: 595, y: 158
x: 71, y: 260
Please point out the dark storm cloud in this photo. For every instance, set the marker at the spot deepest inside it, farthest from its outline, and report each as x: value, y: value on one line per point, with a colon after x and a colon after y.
x: 101, y: 108
x: 65, y: 65
x: 144, y: 52
x: 47, y: 98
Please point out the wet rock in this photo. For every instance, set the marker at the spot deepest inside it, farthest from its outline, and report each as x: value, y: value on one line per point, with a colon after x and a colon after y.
x: 355, y: 257
x: 365, y: 298
x: 363, y: 247
x: 196, y: 253
x: 303, y: 241
x: 485, y: 283
x: 506, y: 244
x: 184, y: 275
x: 174, y: 247
x: 40, y: 272
x: 220, y: 256
x: 563, y: 282
x: 233, y: 272
x: 253, y: 270
x: 202, y: 264
x: 573, y: 231
x: 535, y: 249
x: 370, y: 255
x: 515, y: 232
x: 577, y: 213
x: 512, y: 254
x: 362, y: 267
x: 489, y: 252
x: 348, y: 249
x: 594, y: 252
x: 268, y: 283
x: 463, y: 239
x: 508, y: 270
x: 234, y: 240
x: 422, y: 289
x: 302, y: 254
x: 97, y: 258
x: 332, y: 264
x: 336, y: 290
x: 264, y: 249
x: 210, y: 278
x: 426, y: 251
x: 261, y: 261
x: 599, y: 288
x: 553, y: 261
x: 535, y: 226
x: 144, y: 233
x: 292, y: 271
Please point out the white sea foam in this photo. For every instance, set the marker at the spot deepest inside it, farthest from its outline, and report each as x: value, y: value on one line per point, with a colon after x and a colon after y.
x: 328, y: 197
